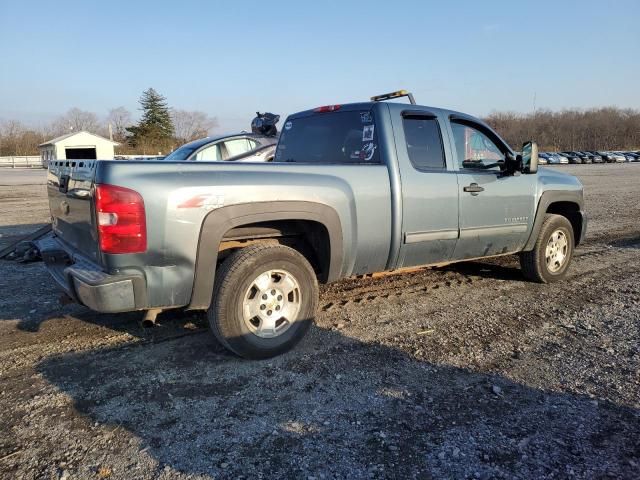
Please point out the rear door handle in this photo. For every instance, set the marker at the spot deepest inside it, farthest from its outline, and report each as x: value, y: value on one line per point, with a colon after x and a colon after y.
x: 473, y: 189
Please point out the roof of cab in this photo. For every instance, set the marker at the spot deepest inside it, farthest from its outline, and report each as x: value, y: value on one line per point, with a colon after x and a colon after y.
x: 392, y: 105
x: 402, y: 107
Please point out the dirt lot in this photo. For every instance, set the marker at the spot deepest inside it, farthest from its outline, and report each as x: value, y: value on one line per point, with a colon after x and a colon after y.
x: 459, y: 372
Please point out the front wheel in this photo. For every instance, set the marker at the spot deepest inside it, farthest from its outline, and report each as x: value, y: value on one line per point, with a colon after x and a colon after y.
x: 550, y: 258
x: 264, y: 300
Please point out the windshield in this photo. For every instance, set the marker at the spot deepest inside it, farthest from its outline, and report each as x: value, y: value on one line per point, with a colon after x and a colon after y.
x: 335, y: 137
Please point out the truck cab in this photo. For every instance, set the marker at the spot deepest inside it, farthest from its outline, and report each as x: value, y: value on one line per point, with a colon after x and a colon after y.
x: 453, y: 195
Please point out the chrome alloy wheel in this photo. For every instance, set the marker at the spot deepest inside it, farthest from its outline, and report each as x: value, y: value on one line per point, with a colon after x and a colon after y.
x: 556, y: 251
x: 272, y: 303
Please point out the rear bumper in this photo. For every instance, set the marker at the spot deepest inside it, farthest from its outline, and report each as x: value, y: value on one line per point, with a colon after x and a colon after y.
x: 87, y: 284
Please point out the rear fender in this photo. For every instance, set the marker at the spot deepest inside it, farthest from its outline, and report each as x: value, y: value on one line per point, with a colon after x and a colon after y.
x: 221, y: 220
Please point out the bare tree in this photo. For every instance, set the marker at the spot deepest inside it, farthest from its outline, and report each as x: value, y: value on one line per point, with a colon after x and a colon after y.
x: 606, y: 128
x: 119, y: 118
x: 10, y: 132
x: 76, y: 120
x: 17, y: 139
x: 191, y: 125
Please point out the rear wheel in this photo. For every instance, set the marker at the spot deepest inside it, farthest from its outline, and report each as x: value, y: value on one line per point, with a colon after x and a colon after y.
x: 550, y: 258
x: 264, y: 300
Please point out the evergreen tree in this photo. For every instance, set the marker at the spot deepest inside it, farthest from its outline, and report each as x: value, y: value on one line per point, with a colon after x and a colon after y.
x: 155, y: 128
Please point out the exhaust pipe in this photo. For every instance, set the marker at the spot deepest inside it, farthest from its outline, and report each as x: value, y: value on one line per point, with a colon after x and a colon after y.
x: 149, y: 319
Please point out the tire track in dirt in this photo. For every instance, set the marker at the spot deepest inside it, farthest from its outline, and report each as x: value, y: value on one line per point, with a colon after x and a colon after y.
x: 414, y: 283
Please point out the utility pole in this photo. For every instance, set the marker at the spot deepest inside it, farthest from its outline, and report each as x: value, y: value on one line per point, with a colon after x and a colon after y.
x: 534, y: 102
x: 110, y: 132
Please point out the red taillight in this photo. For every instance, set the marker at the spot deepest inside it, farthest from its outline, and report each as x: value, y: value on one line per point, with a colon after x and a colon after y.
x: 327, y: 108
x: 122, y: 226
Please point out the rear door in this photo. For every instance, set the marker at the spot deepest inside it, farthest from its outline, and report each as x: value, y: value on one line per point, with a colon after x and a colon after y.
x: 429, y: 189
x: 69, y: 186
x: 496, y: 211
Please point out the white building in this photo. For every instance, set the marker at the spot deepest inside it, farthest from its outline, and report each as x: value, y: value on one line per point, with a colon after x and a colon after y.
x: 77, y: 146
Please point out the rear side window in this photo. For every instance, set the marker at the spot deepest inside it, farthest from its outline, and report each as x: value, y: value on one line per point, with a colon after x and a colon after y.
x: 424, y: 143
x: 333, y: 137
x: 239, y: 146
x: 209, y: 154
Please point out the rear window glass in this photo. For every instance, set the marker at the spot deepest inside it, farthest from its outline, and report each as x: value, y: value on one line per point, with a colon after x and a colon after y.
x: 334, y: 137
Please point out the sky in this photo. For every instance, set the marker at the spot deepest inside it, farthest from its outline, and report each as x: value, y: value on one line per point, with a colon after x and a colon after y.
x: 231, y: 58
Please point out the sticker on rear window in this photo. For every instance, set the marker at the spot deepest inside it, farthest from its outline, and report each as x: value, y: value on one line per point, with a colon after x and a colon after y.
x: 367, y: 152
x: 367, y: 133
x: 365, y: 117
x: 288, y: 125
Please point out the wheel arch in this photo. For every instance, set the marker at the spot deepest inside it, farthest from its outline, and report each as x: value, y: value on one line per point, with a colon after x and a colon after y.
x: 262, y: 220
x: 569, y: 204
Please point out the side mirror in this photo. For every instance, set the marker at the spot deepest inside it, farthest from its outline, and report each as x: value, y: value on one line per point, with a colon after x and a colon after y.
x: 530, y: 157
x: 512, y: 165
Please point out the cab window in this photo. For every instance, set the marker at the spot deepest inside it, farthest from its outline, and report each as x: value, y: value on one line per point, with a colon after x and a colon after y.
x: 475, y: 150
x: 424, y: 142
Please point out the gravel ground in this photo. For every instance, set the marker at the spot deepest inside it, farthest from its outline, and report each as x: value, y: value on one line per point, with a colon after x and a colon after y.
x: 459, y: 372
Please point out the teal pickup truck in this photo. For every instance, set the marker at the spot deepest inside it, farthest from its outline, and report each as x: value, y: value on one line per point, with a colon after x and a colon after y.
x: 353, y: 189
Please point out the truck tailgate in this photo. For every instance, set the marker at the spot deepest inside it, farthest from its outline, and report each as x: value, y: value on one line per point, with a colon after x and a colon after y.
x: 69, y: 186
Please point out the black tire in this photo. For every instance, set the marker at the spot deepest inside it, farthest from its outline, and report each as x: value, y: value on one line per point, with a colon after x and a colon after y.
x: 534, y: 264
x: 233, y: 280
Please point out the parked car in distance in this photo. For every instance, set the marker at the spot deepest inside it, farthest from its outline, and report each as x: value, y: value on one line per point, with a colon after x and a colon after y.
x: 595, y: 157
x: 627, y: 156
x: 572, y: 157
x: 607, y: 157
x: 578, y: 154
x: 543, y: 159
x: 635, y: 156
x: 556, y: 159
x: 612, y: 157
x: 353, y: 189
x: 618, y: 157
x: 257, y: 146
x: 563, y: 159
x: 550, y: 158
x: 585, y: 157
